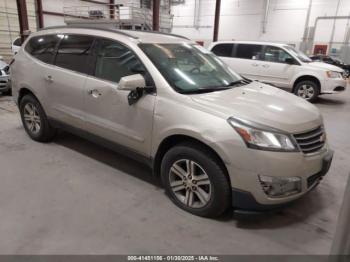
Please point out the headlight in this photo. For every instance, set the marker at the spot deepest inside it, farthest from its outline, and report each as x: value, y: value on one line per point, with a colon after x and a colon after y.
x: 280, y: 186
x: 264, y: 138
x: 333, y: 74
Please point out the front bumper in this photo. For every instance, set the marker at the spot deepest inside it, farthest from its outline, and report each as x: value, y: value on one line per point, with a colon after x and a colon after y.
x: 4, y: 83
x: 244, y: 201
x: 333, y: 86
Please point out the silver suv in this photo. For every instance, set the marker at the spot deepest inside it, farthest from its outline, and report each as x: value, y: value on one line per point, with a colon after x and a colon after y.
x: 215, y: 139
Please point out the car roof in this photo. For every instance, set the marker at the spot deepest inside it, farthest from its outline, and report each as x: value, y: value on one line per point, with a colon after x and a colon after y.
x: 140, y: 36
x: 250, y: 42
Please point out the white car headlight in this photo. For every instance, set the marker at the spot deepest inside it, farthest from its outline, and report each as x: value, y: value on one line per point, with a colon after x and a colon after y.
x: 333, y: 74
x: 264, y: 138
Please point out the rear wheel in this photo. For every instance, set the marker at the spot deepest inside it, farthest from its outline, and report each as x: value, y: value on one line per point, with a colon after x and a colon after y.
x: 34, y: 120
x: 307, y: 90
x: 195, y: 181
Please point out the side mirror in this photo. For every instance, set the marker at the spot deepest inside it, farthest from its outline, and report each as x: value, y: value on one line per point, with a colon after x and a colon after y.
x: 132, y: 82
x: 289, y: 61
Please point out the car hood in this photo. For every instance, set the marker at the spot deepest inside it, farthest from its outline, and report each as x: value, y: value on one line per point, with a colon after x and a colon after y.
x: 262, y: 104
x: 325, y: 66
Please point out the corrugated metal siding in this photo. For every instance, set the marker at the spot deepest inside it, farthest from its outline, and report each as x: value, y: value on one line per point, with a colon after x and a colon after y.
x: 9, y: 25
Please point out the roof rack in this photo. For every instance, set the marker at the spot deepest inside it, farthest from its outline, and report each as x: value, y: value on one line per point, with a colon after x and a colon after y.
x: 112, y: 29
x: 103, y: 28
x: 160, y: 33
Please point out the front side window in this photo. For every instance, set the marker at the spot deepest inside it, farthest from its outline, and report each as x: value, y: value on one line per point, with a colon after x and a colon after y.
x: 276, y: 54
x: 73, y: 53
x: 114, y: 61
x: 224, y: 50
x: 300, y: 55
x: 43, y: 47
x: 190, y: 68
x: 248, y: 51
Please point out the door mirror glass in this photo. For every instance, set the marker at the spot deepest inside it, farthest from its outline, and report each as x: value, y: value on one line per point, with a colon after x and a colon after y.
x: 132, y: 82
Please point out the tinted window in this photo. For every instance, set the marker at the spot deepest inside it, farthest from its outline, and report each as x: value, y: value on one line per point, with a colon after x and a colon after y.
x: 223, y: 50
x: 18, y: 42
x: 114, y: 61
x: 249, y: 51
x: 73, y: 53
x: 43, y: 47
x: 275, y: 54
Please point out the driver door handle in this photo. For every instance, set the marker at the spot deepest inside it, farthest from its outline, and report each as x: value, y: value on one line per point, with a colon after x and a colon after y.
x: 266, y: 66
x: 255, y: 64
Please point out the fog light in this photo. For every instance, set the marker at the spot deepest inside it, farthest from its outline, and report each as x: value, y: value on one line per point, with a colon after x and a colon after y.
x: 280, y: 186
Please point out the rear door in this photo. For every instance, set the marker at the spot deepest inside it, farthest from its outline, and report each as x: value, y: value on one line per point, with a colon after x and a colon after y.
x: 108, y: 114
x: 247, y: 60
x: 66, y: 79
x: 275, y: 69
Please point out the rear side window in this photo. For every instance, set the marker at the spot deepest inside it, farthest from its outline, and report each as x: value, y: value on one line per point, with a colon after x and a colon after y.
x: 43, y: 47
x: 114, y: 61
x: 17, y: 42
x: 223, y: 50
x: 73, y: 53
x: 247, y: 51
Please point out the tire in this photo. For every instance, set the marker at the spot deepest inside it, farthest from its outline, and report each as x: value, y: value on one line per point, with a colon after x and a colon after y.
x: 207, y: 188
x: 35, y: 120
x: 307, y: 90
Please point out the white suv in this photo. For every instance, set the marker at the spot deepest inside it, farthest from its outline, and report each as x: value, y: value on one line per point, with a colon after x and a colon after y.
x: 282, y: 66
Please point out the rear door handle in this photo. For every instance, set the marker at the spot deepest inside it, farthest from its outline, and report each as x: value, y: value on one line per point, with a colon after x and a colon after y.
x: 94, y: 93
x: 49, y: 79
x: 266, y: 66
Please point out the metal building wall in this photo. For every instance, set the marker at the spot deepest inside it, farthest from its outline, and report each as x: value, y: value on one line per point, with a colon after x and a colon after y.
x: 9, y: 25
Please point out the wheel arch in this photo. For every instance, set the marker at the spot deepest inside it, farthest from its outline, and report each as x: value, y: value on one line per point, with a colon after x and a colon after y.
x: 25, y: 91
x: 174, y: 140
x: 307, y: 78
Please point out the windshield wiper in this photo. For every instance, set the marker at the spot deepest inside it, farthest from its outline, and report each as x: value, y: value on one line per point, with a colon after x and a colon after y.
x: 238, y: 82
x: 205, y: 90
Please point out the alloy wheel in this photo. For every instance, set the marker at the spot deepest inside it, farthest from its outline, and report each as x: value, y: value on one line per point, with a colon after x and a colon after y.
x: 190, y: 183
x: 31, y: 118
x: 306, y: 91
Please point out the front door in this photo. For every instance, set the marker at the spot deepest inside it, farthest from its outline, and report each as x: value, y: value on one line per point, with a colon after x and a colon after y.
x: 274, y: 69
x: 108, y: 114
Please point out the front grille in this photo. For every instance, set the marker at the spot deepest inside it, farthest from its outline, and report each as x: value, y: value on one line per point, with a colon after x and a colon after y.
x: 311, y: 141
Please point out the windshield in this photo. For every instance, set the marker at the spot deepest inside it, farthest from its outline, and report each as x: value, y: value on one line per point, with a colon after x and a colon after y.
x: 300, y: 55
x: 191, y: 68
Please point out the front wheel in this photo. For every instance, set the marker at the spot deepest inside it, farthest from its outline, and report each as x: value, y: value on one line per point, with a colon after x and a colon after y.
x: 195, y: 181
x: 307, y: 90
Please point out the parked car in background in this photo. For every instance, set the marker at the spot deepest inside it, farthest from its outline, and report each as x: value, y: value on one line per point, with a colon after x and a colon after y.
x: 5, y: 87
x: 215, y: 139
x: 282, y: 66
x: 333, y: 61
x: 16, y: 45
